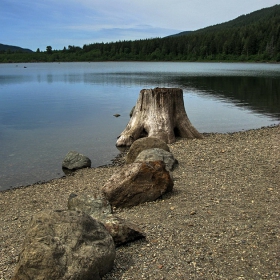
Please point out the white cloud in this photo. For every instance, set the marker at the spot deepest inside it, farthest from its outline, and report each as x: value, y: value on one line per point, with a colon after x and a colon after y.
x: 176, y: 14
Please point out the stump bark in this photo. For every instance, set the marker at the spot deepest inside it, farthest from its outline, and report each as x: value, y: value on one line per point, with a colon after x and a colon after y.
x: 159, y: 113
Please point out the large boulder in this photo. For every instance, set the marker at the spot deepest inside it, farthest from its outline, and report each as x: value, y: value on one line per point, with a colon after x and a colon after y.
x: 158, y: 154
x: 137, y: 183
x: 73, y: 161
x: 65, y: 245
x: 99, y: 208
x: 143, y: 144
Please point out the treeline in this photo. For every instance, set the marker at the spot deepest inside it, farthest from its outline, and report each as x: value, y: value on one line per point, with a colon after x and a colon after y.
x: 252, y: 37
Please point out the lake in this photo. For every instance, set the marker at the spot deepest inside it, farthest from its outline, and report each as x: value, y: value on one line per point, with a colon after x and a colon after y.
x: 48, y: 109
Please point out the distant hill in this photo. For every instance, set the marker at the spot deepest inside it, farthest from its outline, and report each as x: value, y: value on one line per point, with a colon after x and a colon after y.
x: 254, y: 36
x: 251, y: 37
x: 180, y: 34
x: 239, y: 22
x: 14, y: 49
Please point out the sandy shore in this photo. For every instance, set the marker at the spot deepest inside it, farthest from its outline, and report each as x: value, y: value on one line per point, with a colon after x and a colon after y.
x: 222, y: 221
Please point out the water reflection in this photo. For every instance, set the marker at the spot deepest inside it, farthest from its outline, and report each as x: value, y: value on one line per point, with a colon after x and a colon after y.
x: 15, y: 79
x: 252, y: 86
x: 49, y: 78
x: 260, y: 94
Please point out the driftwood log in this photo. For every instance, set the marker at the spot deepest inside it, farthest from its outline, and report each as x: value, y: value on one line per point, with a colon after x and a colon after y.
x: 159, y: 113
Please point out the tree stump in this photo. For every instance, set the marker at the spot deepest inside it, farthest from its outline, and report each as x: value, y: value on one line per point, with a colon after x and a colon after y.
x: 159, y: 113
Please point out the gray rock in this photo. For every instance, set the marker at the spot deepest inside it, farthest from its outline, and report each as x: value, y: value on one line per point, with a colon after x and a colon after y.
x: 143, y: 144
x: 65, y: 245
x: 137, y: 183
x: 121, y: 230
x: 158, y: 154
x: 97, y: 207
x: 73, y: 161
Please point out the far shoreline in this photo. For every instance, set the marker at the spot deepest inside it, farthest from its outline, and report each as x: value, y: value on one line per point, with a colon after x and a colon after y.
x: 150, y: 61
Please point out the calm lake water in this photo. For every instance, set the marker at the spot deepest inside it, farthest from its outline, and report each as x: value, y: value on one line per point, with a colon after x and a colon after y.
x: 48, y: 109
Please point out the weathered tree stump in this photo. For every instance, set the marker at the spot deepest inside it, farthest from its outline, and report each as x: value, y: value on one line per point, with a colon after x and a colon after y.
x: 159, y: 113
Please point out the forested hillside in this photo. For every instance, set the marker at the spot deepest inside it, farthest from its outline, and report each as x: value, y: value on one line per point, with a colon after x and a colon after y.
x: 9, y: 48
x: 251, y: 37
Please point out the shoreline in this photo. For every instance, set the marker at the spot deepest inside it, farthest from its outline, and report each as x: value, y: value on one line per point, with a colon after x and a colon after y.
x: 220, y: 222
x: 119, y: 160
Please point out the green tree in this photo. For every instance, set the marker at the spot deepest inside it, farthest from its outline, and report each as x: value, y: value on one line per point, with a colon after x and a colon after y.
x: 49, y: 49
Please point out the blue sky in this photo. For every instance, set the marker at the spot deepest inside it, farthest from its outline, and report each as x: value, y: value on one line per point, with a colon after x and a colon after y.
x: 58, y: 23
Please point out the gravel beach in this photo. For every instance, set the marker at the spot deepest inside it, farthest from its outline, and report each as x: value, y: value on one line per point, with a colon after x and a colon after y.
x: 222, y: 220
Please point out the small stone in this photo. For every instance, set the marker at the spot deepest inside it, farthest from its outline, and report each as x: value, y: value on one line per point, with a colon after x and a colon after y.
x: 143, y: 144
x: 73, y: 161
x: 155, y: 154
